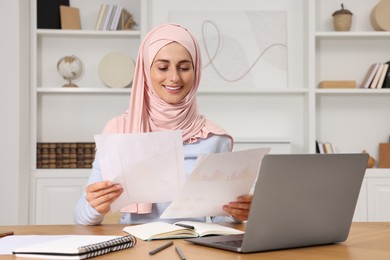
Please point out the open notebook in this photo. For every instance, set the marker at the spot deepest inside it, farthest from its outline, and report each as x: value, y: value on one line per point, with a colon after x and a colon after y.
x: 181, y: 229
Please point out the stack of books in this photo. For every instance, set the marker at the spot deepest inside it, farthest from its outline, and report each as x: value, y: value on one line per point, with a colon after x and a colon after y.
x: 324, y: 147
x: 114, y: 17
x: 65, y: 155
x: 377, y: 76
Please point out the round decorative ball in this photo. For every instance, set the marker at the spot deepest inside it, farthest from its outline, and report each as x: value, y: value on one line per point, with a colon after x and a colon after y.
x: 70, y: 68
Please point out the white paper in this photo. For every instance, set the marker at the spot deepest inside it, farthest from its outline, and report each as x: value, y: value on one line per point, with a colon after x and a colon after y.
x: 149, y: 166
x: 216, y: 180
x: 11, y: 243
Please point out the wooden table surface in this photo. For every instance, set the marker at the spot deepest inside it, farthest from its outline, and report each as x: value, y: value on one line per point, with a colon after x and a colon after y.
x: 365, y: 241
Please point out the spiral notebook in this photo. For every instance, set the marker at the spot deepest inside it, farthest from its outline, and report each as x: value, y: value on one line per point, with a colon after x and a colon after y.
x: 76, y: 247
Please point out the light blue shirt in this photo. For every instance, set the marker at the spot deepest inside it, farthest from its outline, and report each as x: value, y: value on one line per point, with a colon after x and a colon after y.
x: 86, y: 215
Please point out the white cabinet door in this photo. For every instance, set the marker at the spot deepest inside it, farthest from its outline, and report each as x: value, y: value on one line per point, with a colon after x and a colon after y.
x: 378, y: 195
x: 56, y: 199
x: 361, y: 207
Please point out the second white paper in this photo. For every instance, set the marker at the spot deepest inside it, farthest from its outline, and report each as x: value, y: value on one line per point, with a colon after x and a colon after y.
x: 149, y: 166
x: 216, y: 180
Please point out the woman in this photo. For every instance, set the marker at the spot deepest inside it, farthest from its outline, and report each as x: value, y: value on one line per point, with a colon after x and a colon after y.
x: 163, y: 98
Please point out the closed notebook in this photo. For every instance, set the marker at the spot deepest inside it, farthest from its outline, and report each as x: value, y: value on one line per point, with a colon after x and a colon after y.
x: 163, y: 230
x: 76, y: 247
x: 70, y: 18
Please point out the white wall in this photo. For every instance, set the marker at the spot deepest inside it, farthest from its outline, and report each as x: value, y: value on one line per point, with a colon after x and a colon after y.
x: 14, y: 103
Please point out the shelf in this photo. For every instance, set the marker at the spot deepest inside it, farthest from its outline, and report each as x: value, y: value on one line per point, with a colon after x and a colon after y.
x: 87, y: 33
x: 356, y: 91
x: 377, y: 172
x: 352, y: 35
x: 53, y: 90
x: 253, y: 91
x: 262, y: 140
x: 287, y: 91
x: 62, y: 173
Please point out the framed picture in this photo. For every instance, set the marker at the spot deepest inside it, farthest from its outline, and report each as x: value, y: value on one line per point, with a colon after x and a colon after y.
x: 246, y: 49
x: 243, y: 45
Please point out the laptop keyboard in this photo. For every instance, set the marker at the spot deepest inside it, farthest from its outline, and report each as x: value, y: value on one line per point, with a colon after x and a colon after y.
x: 234, y: 243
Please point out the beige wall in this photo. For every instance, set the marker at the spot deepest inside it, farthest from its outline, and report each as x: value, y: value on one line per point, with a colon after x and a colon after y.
x: 14, y: 117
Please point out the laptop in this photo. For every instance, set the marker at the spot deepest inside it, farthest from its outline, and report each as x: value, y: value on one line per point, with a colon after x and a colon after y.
x: 299, y: 200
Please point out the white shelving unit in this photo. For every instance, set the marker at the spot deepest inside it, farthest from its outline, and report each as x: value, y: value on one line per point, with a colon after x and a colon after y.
x: 288, y: 119
x: 71, y: 114
x: 353, y: 119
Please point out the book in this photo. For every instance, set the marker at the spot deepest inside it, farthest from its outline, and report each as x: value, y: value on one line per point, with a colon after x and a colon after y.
x: 181, y: 229
x: 76, y: 247
x: 386, y: 82
x: 324, y: 147
x: 369, y: 75
x: 115, y: 20
x: 100, y: 16
x: 114, y: 7
x: 338, y: 84
x: 376, y: 77
x: 107, y: 15
x: 48, y: 13
x: 384, y: 155
x: 321, y: 147
x: 383, y: 75
x: 107, y: 7
x: 70, y: 18
x: 328, y: 148
x: 317, y: 147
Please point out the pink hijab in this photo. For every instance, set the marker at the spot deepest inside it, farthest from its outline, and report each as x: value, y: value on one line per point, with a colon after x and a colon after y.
x: 148, y: 113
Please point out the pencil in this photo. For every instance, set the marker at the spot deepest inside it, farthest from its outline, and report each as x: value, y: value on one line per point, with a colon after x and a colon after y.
x: 182, y: 256
x: 8, y: 233
x: 158, y: 249
x: 185, y: 226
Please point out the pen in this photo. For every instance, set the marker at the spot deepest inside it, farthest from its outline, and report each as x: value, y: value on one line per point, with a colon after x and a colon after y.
x: 184, y: 225
x: 158, y: 249
x: 8, y: 233
x: 182, y: 256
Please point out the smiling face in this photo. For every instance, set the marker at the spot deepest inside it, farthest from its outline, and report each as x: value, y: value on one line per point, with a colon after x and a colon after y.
x: 172, y: 73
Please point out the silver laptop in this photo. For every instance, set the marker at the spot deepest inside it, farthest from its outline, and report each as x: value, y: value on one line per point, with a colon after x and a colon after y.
x: 299, y: 200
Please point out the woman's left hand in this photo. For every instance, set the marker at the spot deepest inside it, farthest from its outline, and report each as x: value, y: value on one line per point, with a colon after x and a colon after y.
x: 239, y: 209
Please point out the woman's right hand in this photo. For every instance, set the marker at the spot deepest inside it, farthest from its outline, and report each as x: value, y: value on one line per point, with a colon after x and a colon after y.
x: 100, y: 195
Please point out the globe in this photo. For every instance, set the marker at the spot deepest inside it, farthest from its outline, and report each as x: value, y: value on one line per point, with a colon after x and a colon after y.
x: 70, y: 68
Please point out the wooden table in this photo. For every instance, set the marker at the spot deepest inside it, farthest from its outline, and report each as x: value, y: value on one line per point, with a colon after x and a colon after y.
x: 366, y: 241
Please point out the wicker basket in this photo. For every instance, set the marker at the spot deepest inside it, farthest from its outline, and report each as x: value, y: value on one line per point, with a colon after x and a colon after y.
x: 342, y: 22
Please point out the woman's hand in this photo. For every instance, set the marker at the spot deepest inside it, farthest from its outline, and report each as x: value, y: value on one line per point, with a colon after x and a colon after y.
x: 239, y: 209
x: 100, y: 195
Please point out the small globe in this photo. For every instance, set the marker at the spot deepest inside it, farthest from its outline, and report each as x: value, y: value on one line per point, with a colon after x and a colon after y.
x: 70, y: 68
